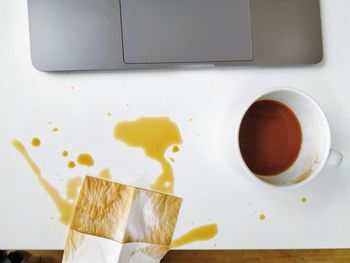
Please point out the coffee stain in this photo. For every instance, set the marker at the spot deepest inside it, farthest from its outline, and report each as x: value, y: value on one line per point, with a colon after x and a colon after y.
x: 172, y: 159
x: 175, y: 149
x: 303, y: 200
x: 155, y: 136
x: 71, y: 164
x: 303, y: 177
x: 36, y: 142
x: 55, y: 129
x: 262, y: 217
x: 64, y: 206
x: 201, y: 233
x: 109, y: 114
x: 85, y: 159
x: 105, y: 174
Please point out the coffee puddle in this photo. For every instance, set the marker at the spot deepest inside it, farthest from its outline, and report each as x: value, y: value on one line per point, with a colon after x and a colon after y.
x: 85, y: 159
x: 201, y: 233
x: 155, y: 136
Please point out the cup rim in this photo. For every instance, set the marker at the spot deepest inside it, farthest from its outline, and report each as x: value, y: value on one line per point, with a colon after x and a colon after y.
x: 323, y: 160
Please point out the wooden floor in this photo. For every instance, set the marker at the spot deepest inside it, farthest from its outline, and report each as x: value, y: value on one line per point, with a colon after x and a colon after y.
x: 239, y: 256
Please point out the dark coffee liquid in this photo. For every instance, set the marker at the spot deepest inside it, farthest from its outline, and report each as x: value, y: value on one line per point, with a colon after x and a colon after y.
x: 270, y: 137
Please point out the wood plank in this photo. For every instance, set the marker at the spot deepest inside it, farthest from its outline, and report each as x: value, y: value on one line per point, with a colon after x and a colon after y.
x: 241, y: 256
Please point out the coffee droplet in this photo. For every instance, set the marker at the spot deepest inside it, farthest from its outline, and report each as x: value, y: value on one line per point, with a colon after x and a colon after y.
x: 176, y: 149
x: 71, y: 164
x: 85, y: 159
x: 64, y: 153
x: 262, y: 217
x: 36, y: 142
x: 55, y: 129
x: 303, y: 200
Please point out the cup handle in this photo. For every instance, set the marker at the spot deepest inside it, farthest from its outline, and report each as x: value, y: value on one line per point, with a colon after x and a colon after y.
x: 335, y: 158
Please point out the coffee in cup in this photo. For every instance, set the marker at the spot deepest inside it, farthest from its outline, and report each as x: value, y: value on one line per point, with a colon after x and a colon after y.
x: 284, y: 138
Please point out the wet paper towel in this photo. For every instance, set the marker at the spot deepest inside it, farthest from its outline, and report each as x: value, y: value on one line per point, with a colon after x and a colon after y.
x: 119, y: 223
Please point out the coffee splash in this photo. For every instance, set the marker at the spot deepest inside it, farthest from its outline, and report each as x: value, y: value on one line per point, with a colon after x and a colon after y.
x: 64, y: 206
x: 201, y: 233
x: 155, y: 136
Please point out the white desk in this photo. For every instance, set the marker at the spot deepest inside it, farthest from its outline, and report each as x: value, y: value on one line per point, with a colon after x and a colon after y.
x: 213, y: 190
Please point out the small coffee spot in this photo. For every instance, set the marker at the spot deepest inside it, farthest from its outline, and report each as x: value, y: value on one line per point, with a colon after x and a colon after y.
x: 172, y: 159
x: 109, y: 114
x: 71, y: 164
x: 64, y: 153
x: 55, y: 129
x: 36, y: 142
x: 262, y: 217
x: 303, y: 200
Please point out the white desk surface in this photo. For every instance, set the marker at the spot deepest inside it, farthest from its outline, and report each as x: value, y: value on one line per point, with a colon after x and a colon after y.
x: 213, y: 190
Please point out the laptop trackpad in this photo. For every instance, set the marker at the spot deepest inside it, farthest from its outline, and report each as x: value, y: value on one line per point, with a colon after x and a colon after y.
x: 156, y: 31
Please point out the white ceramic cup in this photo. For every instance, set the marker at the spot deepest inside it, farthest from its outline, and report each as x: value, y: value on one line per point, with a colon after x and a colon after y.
x: 315, y: 150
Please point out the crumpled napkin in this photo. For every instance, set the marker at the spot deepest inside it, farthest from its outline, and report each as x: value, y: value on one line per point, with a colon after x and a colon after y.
x: 119, y: 223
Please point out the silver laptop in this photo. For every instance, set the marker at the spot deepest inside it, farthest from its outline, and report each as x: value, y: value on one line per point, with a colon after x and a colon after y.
x: 68, y: 35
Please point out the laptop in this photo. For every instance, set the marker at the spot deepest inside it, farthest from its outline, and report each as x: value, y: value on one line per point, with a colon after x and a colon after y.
x: 68, y: 35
